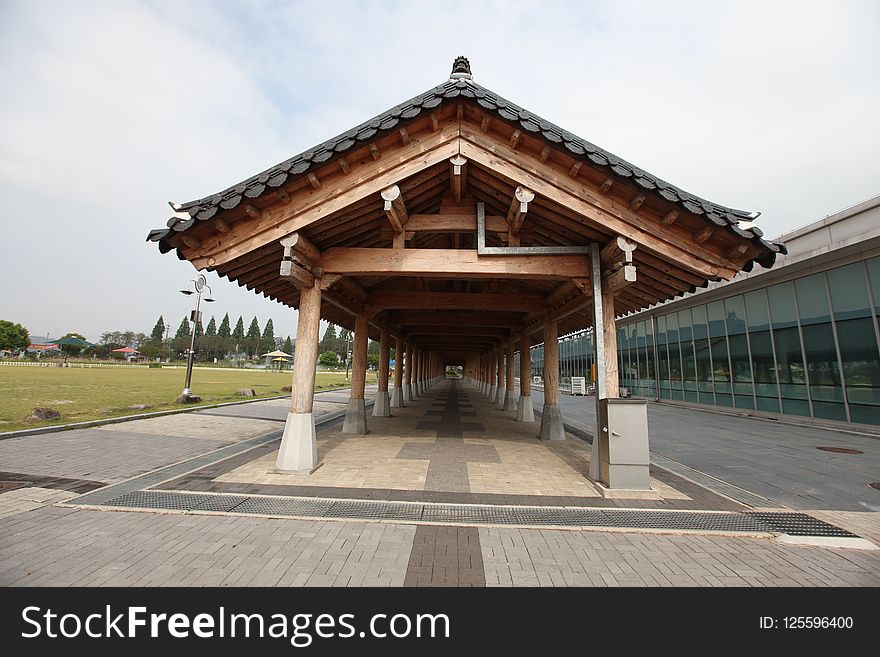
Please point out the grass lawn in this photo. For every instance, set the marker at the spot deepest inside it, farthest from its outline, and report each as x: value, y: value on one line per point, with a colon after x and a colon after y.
x: 91, y: 394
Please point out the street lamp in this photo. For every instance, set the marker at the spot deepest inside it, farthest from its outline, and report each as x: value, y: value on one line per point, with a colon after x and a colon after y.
x: 195, y: 317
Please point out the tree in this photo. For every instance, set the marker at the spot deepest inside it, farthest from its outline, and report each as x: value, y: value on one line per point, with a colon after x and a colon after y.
x: 157, y: 337
x: 328, y: 358
x: 212, y: 328
x: 288, y: 347
x: 183, y: 330
x: 237, y: 341
x: 181, y: 339
x: 223, y: 334
x: 328, y: 342
x: 343, y: 344
x: 13, y: 336
x: 73, y: 349
x: 252, y: 339
x: 267, y: 343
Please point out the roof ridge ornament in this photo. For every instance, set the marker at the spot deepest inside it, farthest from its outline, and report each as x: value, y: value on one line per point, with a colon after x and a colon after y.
x: 461, y: 69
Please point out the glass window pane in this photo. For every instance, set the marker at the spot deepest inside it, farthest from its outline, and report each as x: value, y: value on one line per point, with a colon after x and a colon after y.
x: 756, y: 310
x: 849, y: 292
x: 790, y: 368
x: 721, y: 364
x: 701, y: 329
x: 873, y: 266
x: 735, y: 313
x: 781, y: 301
x: 822, y: 365
x: 716, y: 318
x: 812, y: 299
x: 861, y: 361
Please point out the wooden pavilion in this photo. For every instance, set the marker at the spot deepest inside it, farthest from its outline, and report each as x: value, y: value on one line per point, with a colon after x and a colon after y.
x: 460, y: 228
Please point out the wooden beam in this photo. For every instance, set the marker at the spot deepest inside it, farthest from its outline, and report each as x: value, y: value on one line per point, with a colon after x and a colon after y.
x: 637, y: 201
x: 282, y: 195
x: 435, y: 123
x: 620, y: 278
x: 313, y: 180
x: 545, y: 153
x: 395, y: 209
x: 605, y: 186
x: 441, y: 262
x: 450, y: 223
x: 343, y: 164
x: 455, y: 301
x: 519, y: 206
x: 737, y: 251
x: 573, y: 172
x: 505, y: 320
x: 669, y: 218
x: 374, y: 151
x: 514, y: 138
x: 489, y: 331
x: 191, y: 241
x: 252, y: 211
x: 297, y: 243
x: 703, y: 234
x: 404, y: 136
x: 486, y: 123
x: 617, y: 251
x: 222, y: 226
x: 457, y: 177
x: 296, y: 274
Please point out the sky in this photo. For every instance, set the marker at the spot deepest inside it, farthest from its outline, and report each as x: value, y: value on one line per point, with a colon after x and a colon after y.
x: 108, y: 110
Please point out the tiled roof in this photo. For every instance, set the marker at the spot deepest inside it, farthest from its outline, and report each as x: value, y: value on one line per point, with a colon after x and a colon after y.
x: 462, y: 87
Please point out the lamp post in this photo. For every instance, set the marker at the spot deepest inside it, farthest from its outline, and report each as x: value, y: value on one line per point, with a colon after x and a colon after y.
x: 198, y: 286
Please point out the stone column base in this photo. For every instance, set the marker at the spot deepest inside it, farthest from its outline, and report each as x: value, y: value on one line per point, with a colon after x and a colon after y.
x: 407, y: 392
x: 298, y: 451
x: 382, y: 406
x: 524, y: 410
x: 492, y: 392
x: 551, y: 423
x: 509, y: 402
x: 396, y: 397
x: 355, y: 417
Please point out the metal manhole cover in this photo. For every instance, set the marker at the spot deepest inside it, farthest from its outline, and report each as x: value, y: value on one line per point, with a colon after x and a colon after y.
x: 876, y: 485
x: 841, y: 450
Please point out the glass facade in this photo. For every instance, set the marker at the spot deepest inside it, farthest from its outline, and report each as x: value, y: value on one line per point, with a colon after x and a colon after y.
x: 808, y: 347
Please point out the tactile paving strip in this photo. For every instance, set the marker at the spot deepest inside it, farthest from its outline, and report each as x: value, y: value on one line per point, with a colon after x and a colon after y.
x: 799, y: 524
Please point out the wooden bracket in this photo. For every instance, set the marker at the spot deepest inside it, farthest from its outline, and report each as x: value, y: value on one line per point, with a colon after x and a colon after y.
x: 518, y: 208
x: 395, y: 209
x: 458, y: 177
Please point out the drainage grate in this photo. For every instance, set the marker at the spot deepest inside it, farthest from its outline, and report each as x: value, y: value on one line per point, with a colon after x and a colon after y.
x: 798, y: 524
x: 841, y: 450
x: 713, y: 483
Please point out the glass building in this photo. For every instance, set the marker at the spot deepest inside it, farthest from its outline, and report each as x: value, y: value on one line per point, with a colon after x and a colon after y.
x: 800, y: 339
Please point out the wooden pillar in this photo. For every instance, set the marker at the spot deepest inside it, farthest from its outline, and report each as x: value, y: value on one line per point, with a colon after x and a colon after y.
x: 492, y: 364
x: 551, y: 417
x: 407, y: 384
x: 397, y: 392
x: 609, y: 330
x: 298, y: 451
x: 524, y: 410
x: 356, y: 414
x: 509, y: 392
x: 499, y: 377
x: 382, y: 406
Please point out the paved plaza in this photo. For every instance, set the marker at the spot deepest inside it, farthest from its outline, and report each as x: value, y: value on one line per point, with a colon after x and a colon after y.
x: 448, y: 492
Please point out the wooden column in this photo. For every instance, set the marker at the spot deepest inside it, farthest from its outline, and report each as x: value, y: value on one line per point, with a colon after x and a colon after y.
x: 397, y: 392
x: 492, y: 365
x: 499, y: 378
x: 609, y: 330
x: 356, y: 416
x: 382, y: 406
x: 407, y: 383
x: 551, y: 417
x: 525, y: 410
x: 298, y: 451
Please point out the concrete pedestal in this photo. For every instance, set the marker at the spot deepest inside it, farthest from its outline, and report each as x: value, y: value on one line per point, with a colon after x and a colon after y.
x: 407, y: 392
x: 298, y: 451
x: 509, y: 402
x: 524, y: 410
x: 382, y: 407
x: 551, y: 423
x: 396, y: 397
x: 355, y: 417
x: 624, y: 457
x: 492, y: 392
